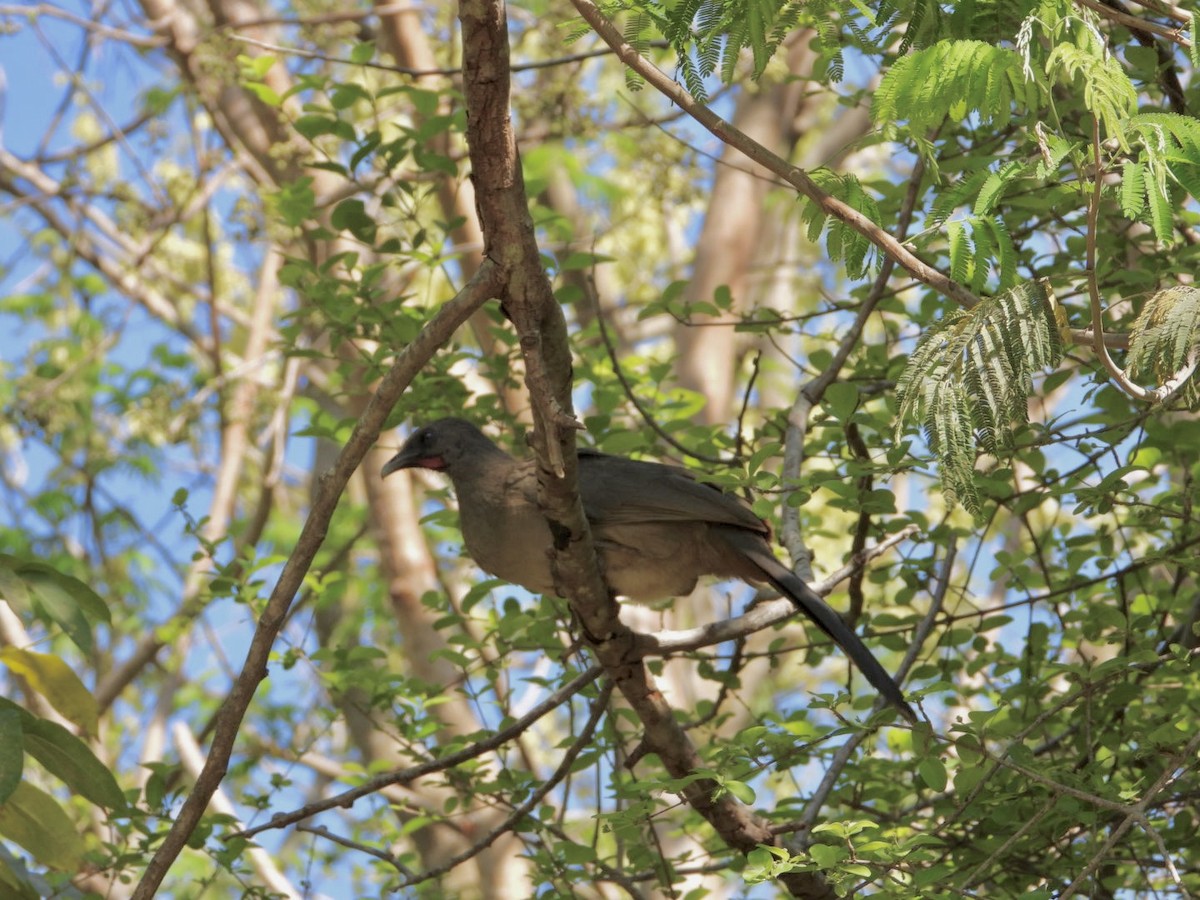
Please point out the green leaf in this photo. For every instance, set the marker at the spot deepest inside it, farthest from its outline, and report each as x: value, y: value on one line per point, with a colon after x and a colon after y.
x: 968, y: 380
x: 961, y: 251
x: 255, y: 68
x: 88, y: 601
x: 67, y: 758
x: 827, y: 856
x: 995, y: 185
x: 434, y: 162
x: 424, y: 102
x: 369, y: 144
x: 295, y: 202
x: 33, y: 819
x: 1133, y: 189
x: 64, y: 601
x: 1161, y: 211
x: 741, y: 791
x: 351, y: 215
x: 574, y: 854
x: 265, y: 93
x: 933, y: 773
x: 313, y: 125
x: 346, y: 95
x: 842, y: 399
x: 12, y: 753
x: 362, y: 53
x: 950, y: 78
x: 57, y: 682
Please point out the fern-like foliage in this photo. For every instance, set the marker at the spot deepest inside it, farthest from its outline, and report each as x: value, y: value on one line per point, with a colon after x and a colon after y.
x: 841, y: 241
x: 979, y: 245
x: 635, y: 36
x: 953, y: 79
x: 1080, y: 60
x: 709, y: 35
x: 1169, y: 151
x: 1107, y: 90
x: 968, y: 380
x: 1165, y: 338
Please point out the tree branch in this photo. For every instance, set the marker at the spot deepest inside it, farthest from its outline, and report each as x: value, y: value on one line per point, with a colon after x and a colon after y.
x: 329, y: 489
x: 793, y: 175
x: 530, y: 304
x: 409, y: 775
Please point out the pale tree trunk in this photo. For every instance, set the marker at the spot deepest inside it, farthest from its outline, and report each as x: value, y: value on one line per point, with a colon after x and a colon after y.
x: 731, y: 239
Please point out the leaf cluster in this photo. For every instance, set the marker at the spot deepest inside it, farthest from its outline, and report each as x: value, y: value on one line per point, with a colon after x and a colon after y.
x: 968, y: 380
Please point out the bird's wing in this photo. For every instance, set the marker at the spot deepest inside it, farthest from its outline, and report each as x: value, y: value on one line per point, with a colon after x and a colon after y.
x: 619, y: 491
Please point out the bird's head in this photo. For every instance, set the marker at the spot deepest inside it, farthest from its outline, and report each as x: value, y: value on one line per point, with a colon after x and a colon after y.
x: 440, y: 446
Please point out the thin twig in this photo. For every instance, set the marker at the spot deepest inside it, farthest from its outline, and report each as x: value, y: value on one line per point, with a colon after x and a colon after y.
x: 630, y: 395
x: 411, y: 774
x: 390, y: 859
x: 564, y: 768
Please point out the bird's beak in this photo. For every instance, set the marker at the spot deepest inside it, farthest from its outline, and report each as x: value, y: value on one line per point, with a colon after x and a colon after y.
x: 405, y: 459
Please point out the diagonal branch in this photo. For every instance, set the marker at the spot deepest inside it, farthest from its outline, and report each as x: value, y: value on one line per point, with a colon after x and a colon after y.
x: 449, y: 761
x: 891, y: 247
x: 774, y: 163
x: 328, y: 491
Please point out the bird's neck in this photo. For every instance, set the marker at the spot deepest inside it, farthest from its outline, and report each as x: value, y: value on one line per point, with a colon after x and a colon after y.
x: 489, y: 465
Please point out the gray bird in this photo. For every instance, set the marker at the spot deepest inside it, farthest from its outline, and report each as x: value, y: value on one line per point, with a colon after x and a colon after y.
x: 656, y: 529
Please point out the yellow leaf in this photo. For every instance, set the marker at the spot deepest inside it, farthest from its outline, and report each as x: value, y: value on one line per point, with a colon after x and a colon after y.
x: 54, y: 680
x: 34, y: 820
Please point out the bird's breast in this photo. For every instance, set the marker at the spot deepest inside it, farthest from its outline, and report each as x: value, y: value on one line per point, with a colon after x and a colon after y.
x: 510, y: 541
